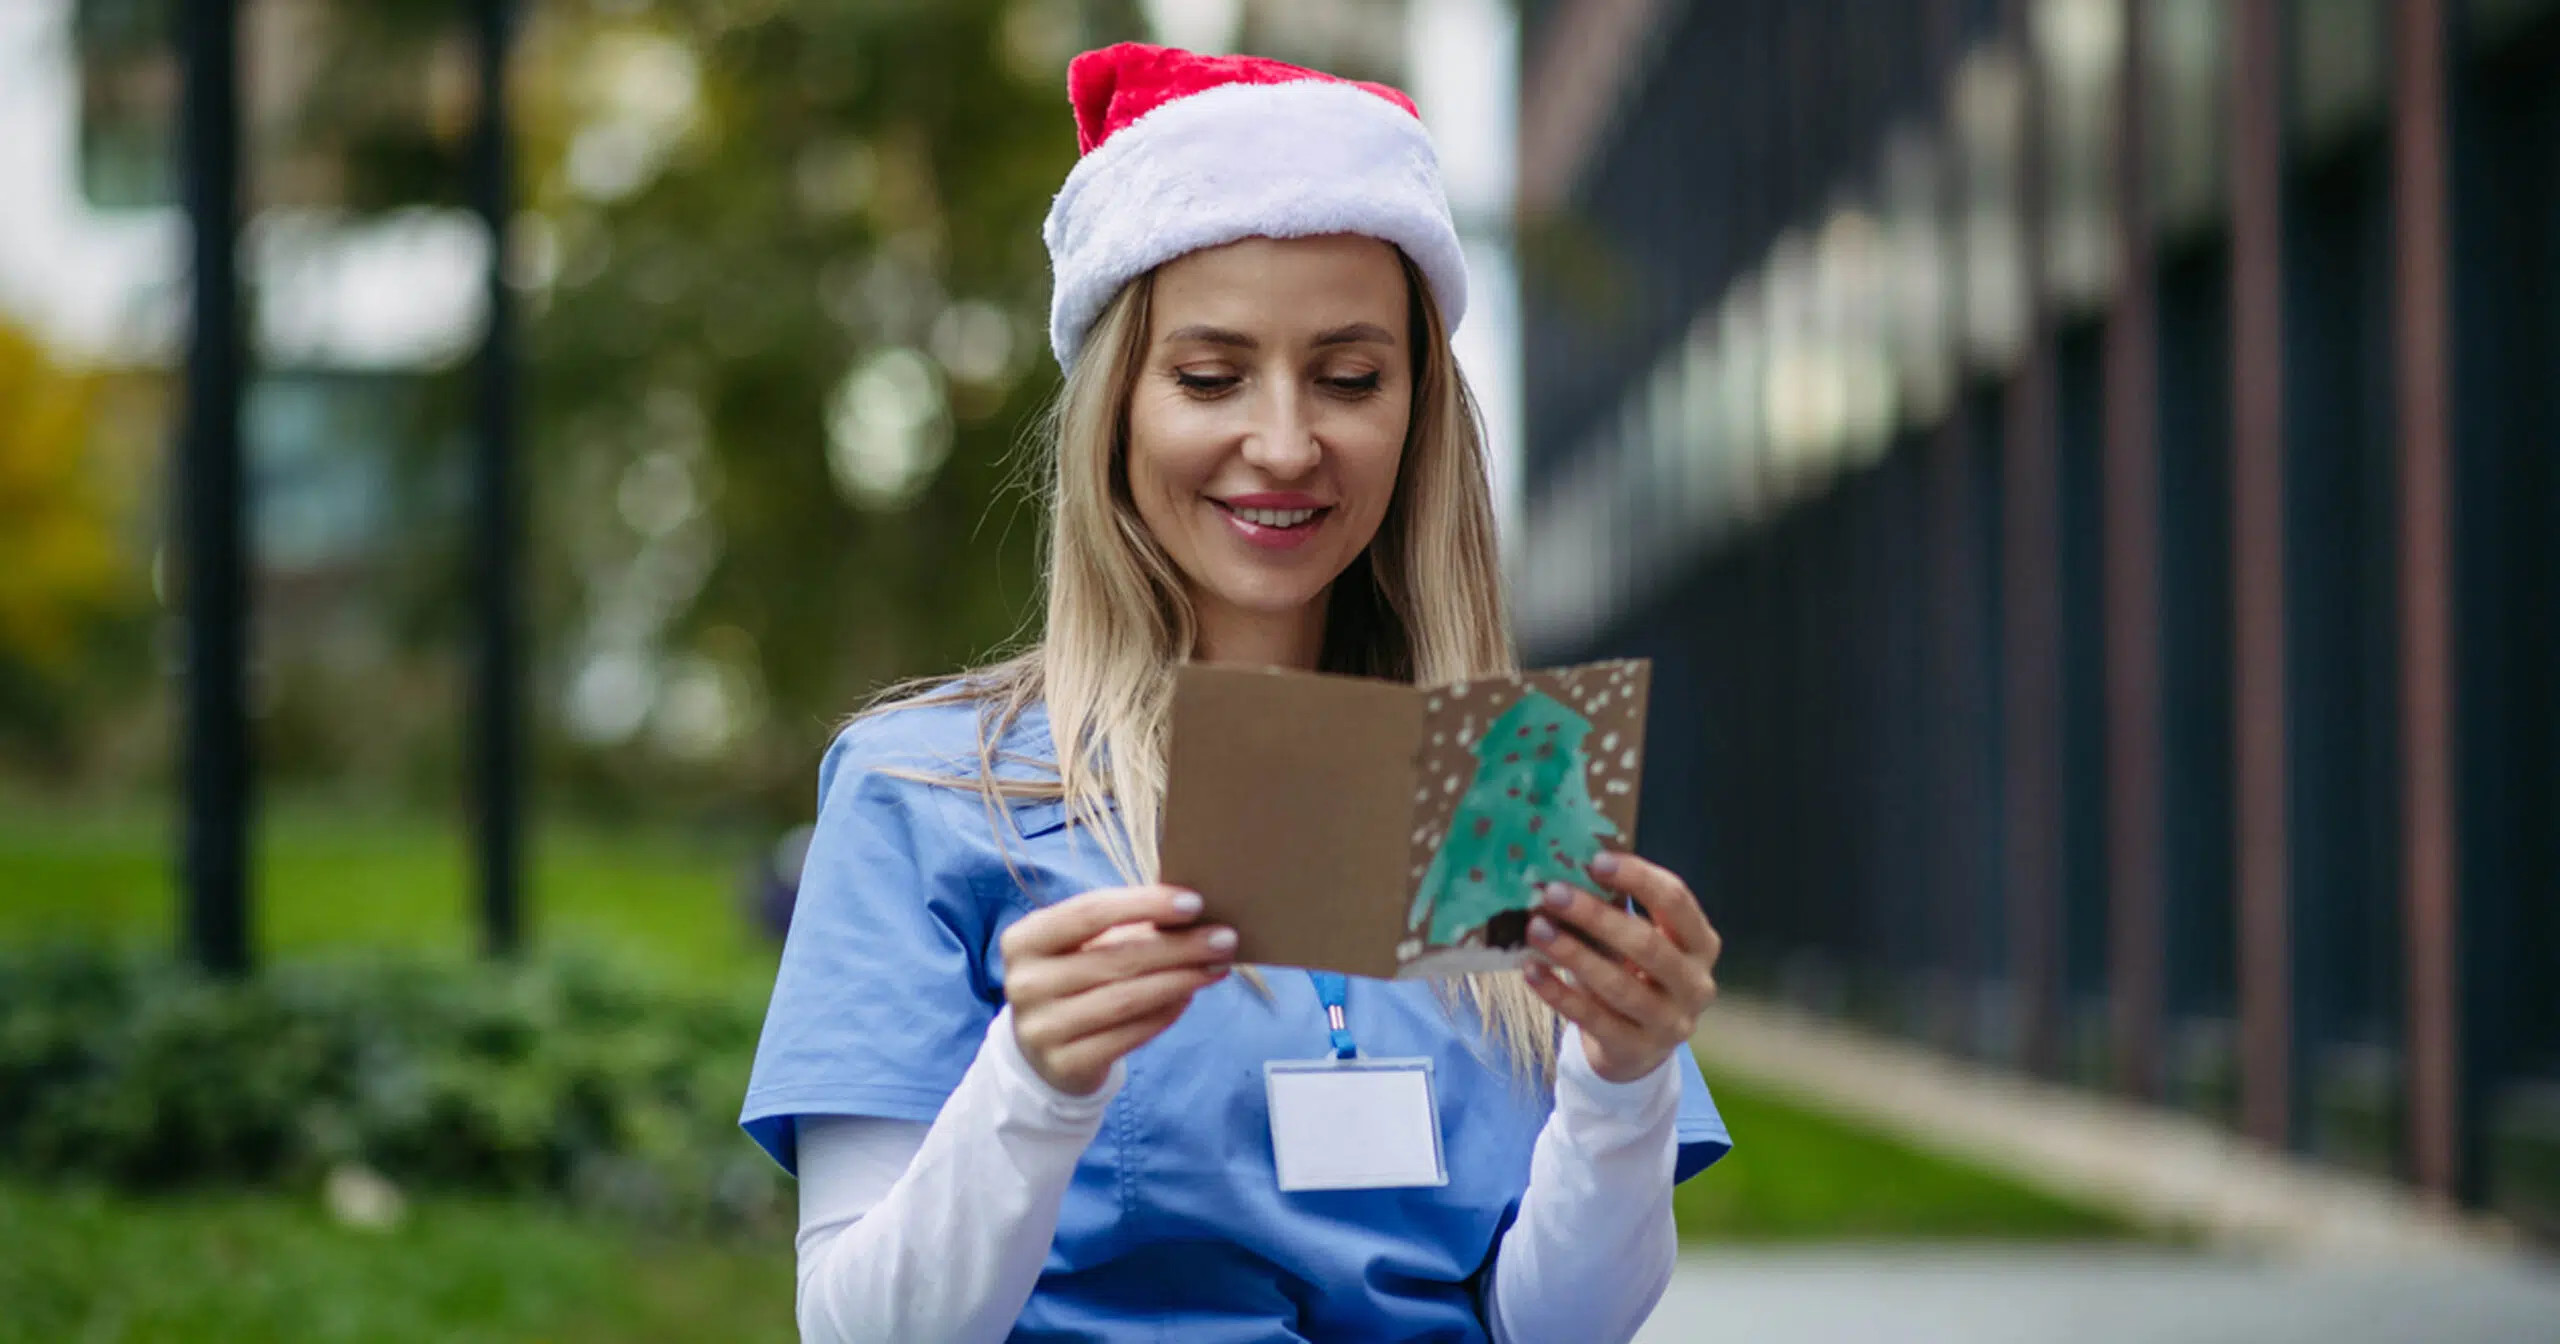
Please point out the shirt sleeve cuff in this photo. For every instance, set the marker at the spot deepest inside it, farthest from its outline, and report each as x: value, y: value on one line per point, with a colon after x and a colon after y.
x: 1024, y: 1084
x: 1607, y: 1111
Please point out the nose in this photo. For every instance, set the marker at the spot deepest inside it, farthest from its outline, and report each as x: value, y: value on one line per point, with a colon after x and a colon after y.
x: 1281, y: 442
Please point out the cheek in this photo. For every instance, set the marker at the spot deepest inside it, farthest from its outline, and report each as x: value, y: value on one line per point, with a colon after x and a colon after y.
x: 1165, y: 462
x: 1371, y: 456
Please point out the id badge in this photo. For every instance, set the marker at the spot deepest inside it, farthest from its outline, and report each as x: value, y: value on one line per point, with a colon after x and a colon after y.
x: 1354, y: 1124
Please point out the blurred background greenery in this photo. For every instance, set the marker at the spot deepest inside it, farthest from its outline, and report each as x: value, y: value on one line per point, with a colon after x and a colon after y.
x: 783, y: 293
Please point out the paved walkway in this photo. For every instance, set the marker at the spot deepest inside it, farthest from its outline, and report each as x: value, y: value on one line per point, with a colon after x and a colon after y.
x: 2294, y: 1252
x: 1837, y: 1296
x: 2159, y: 1167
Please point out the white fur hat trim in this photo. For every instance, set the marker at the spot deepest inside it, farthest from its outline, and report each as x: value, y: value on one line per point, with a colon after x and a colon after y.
x: 1246, y: 161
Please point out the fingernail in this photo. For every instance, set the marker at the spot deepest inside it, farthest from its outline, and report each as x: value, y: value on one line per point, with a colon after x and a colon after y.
x: 1604, y: 864
x: 1559, y: 895
x: 1540, y: 931
x: 1186, y: 902
x: 1222, y: 940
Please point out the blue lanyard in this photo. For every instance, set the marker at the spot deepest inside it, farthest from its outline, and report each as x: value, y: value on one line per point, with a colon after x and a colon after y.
x: 1335, y: 988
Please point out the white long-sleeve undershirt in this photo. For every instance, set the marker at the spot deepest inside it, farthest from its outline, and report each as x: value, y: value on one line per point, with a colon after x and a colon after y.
x: 937, y: 1232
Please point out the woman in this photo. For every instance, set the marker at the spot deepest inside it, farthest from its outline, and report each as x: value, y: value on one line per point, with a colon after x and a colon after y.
x: 1024, y: 1095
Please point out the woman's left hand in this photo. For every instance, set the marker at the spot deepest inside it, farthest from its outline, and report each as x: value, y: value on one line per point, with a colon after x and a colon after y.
x: 1636, y: 995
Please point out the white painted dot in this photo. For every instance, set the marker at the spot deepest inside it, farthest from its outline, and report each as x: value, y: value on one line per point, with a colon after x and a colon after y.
x: 1451, y: 786
x: 1617, y: 786
x: 1628, y: 761
x: 1609, y: 742
x: 1458, y: 692
x: 1439, y: 739
x: 1598, y: 700
x: 1433, y: 704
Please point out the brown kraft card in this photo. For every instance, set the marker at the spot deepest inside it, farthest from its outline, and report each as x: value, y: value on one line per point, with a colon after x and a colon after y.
x: 1384, y: 830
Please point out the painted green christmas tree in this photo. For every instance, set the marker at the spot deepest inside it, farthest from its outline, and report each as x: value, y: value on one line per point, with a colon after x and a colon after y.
x: 1527, y: 820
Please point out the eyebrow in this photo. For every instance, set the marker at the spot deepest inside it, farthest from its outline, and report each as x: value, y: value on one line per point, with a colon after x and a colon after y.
x: 1354, y: 334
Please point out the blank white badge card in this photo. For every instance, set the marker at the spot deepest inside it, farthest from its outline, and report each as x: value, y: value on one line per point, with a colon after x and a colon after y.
x: 1354, y: 1124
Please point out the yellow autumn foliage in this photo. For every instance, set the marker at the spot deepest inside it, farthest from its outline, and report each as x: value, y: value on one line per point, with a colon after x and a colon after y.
x: 59, y: 560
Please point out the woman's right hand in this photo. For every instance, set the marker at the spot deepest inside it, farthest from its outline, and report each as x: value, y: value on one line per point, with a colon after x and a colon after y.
x: 1098, y: 975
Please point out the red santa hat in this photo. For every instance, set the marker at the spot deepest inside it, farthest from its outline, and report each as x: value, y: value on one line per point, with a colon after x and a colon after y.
x: 1183, y: 151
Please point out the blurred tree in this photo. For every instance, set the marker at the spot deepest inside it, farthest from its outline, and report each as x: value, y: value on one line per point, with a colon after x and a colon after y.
x: 64, y: 578
x: 786, y: 305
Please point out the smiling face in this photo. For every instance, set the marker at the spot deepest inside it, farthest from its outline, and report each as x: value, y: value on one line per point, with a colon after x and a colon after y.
x: 1267, y: 424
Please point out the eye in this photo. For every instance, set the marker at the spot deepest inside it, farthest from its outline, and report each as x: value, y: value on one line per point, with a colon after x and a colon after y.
x: 1355, y: 384
x: 1204, y: 384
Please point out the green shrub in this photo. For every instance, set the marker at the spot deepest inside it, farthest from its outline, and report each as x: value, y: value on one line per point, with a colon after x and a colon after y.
x: 557, y: 1078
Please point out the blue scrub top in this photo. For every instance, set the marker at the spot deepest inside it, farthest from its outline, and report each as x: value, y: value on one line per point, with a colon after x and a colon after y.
x: 1174, y: 1226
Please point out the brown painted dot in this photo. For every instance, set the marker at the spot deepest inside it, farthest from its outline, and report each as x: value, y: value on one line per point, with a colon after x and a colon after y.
x: 1545, y: 750
x: 1483, y: 827
x: 1475, y: 874
x: 1535, y: 823
x: 1511, y: 758
x: 1517, y: 853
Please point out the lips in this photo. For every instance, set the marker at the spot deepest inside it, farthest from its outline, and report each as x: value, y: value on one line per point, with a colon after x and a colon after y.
x: 1274, y: 522
x: 1275, y: 517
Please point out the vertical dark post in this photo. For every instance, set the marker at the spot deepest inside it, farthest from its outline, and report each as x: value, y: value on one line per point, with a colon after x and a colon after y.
x: 497, y: 710
x: 2259, y: 777
x: 2031, y: 592
x: 1951, y: 644
x: 2426, y: 596
x: 212, y: 503
x: 2132, y: 565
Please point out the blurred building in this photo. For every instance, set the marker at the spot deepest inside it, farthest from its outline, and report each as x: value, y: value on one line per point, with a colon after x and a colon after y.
x: 2085, y: 472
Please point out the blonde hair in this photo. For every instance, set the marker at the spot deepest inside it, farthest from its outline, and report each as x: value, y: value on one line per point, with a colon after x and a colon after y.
x: 1423, y: 604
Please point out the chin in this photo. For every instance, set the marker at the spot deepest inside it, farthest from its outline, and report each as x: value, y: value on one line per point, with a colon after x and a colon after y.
x: 1272, y: 595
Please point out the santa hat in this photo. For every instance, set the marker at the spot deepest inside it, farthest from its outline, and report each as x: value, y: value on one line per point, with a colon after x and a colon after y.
x: 1183, y: 151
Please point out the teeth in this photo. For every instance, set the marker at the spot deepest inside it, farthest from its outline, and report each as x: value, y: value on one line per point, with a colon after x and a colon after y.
x: 1276, y: 517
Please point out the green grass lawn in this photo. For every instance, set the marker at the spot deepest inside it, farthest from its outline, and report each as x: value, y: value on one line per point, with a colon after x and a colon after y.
x: 332, y: 879
x: 1800, y: 1175
x: 86, y: 1266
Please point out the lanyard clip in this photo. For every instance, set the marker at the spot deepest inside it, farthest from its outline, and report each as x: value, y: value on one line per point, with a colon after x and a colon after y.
x: 1333, y: 990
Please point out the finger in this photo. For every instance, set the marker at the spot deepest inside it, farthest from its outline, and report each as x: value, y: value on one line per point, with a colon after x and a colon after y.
x: 1102, y: 962
x: 1123, y: 933
x: 1073, y: 922
x: 1604, y: 976
x: 1578, y: 1005
x: 1664, y: 896
x: 1631, y: 936
x: 1059, y: 1023
x: 1095, y: 1053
